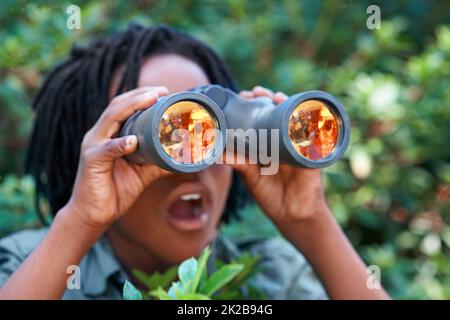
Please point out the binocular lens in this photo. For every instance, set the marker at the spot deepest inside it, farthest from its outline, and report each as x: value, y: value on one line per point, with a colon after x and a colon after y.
x: 186, y: 132
x: 313, y: 129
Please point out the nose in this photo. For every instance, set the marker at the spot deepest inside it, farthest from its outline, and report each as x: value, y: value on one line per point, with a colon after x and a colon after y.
x: 189, y: 177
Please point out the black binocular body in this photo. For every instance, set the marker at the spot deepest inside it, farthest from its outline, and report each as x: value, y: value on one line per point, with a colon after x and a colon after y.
x: 189, y: 131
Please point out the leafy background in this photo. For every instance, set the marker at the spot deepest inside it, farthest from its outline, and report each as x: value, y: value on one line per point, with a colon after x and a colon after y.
x: 391, y: 191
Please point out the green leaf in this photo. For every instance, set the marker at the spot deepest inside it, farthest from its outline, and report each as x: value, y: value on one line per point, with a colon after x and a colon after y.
x: 203, y: 279
x: 160, y: 294
x: 201, y: 274
x: 156, y: 279
x: 250, y: 263
x: 186, y: 273
x: 187, y: 270
x: 130, y: 292
x: 177, y: 290
x: 221, y: 277
x: 195, y: 296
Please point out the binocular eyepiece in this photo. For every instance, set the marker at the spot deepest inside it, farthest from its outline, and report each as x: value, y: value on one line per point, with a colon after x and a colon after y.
x: 189, y: 131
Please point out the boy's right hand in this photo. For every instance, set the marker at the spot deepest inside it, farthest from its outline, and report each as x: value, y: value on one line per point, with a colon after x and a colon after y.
x: 107, y: 185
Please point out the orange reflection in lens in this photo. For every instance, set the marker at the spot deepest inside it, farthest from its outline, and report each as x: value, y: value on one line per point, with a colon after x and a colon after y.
x: 313, y: 129
x: 185, y: 132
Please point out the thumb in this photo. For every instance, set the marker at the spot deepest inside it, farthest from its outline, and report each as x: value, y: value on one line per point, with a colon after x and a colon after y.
x: 116, y: 148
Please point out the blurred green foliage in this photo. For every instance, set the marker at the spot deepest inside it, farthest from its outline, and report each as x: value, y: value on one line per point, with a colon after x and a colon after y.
x: 391, y: 192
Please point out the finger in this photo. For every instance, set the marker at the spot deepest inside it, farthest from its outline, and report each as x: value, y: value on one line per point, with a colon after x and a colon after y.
x: 113, y: 149
x: 149, y: 173
x: 113, y: 117
x: 259, y: 91
x: 249, y: 173
x: 279, y: 97
x: 247, y: 94
x: 239, y: 162
x: 234, y: 158
x: 135, y: 101
x: 131, y: 93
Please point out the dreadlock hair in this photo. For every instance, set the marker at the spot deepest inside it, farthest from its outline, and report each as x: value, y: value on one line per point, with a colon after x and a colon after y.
x: 77, y: 91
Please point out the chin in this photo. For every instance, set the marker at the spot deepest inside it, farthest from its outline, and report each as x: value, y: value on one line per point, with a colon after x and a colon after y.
x: 187, y: 246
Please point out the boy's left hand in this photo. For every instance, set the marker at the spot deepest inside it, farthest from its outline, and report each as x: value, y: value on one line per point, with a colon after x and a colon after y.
x: 291, y: 195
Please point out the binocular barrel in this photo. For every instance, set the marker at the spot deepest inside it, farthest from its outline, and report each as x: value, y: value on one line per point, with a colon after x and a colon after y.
x: 188, y: 131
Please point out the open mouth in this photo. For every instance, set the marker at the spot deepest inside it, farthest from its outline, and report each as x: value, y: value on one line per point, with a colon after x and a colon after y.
x: 188, y: 212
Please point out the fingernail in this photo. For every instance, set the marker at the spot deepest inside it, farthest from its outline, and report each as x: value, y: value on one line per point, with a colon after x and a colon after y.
x: 148, y: 95
x: 280, y: 95
x: 131, y: 141
x: 162, y: 89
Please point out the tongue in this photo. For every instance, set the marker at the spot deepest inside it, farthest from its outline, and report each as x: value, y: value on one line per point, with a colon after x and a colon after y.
x: 183, y: 210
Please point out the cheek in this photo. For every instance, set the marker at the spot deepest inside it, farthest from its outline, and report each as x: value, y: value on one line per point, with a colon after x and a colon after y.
x: 224, y: 175
x: 144, y: 215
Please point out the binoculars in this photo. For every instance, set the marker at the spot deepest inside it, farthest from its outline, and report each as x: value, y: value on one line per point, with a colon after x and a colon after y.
x: 189, y: 131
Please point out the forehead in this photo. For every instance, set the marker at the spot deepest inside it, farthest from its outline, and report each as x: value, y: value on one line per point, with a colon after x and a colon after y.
x: 172, y: 71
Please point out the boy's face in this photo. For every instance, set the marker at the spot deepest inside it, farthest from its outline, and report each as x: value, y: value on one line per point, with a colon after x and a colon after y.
x: 177, y: 215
